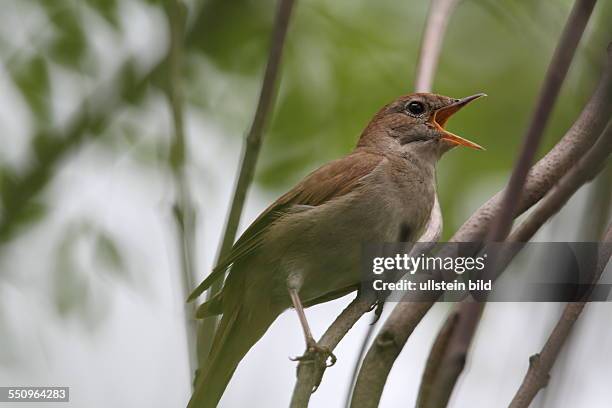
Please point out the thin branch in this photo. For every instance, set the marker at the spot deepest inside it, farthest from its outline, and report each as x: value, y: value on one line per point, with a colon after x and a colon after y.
x: 254, y: 138
x: 557, y: 70
x: 250, y: 154
x: 451, y: 364
x: 183, y: 208
x: 541, y: 178
x: 548, y: 170
x: 433, y: 364
x: 440, y: 12
x: 540, y: 364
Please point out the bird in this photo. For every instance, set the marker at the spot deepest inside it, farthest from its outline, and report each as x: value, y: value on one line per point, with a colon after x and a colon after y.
x: 305, y: 248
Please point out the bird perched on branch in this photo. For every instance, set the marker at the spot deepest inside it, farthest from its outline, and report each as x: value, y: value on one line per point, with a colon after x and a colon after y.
x: 305, y: 248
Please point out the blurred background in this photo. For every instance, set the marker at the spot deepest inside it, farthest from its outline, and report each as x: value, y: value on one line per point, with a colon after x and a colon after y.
x: 90, y: 275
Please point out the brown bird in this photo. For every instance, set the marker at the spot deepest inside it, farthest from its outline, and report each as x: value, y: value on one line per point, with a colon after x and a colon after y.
x: 305, y: 248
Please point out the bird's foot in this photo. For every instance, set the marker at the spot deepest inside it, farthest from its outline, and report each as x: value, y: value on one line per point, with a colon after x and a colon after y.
x: 316, y: 352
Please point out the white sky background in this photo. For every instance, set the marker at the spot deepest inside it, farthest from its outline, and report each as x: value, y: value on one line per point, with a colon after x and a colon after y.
x: 132, y: 353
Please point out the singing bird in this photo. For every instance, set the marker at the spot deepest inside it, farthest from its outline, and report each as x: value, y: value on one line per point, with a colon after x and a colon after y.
x: 305, y: 248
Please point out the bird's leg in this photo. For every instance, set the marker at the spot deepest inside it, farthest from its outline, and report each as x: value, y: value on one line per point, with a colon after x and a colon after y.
x: 294, y: 284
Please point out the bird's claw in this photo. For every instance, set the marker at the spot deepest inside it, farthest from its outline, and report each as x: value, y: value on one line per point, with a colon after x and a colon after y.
x: 317, y: 352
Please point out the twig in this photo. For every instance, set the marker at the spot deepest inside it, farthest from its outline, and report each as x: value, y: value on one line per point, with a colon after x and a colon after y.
x: 557, y: 70
x: 540, y: 364
x: 548, y: 170
x: 452, y: 363
x: 255, y: 136
x: 183, y: 208
x: 250, y: 153
x: 438, y: 17
x: 542, y: 176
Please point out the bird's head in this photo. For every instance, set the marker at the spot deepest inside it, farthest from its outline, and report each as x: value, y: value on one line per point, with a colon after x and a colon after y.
x: 416, y: 122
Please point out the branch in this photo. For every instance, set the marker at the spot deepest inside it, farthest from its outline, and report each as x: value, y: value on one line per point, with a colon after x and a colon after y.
x: 540, y: 364
x: 541, y: 178
x: 250, y: 154
x: 548, y: 170
x: 183, y: 208
x: 557, y: 70
x: 432, y: 366
x: 255, y: 135
x: 438, y: 17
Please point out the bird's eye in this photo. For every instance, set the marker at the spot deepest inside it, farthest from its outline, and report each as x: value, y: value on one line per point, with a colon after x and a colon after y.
x: 415, y: 108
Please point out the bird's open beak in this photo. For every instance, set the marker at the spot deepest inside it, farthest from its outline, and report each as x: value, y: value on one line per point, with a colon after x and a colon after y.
x: 442, y: 115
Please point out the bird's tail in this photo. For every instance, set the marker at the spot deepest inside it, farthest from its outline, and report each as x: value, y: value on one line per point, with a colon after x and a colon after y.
x: 240, y: 328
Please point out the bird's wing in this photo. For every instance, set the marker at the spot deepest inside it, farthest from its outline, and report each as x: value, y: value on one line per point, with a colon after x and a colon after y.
x: 330, y: 181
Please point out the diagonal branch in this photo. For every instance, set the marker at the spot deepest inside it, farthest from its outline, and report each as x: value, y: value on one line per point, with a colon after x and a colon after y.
x: 440, y: 12
x: 540, y: 364
x: 557, y: 70
x: 438, y: 351
x: 255, y: 136
x: 250, y: 154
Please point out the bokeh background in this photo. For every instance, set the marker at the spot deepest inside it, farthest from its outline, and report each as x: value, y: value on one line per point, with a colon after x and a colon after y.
x: 90, y: 285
